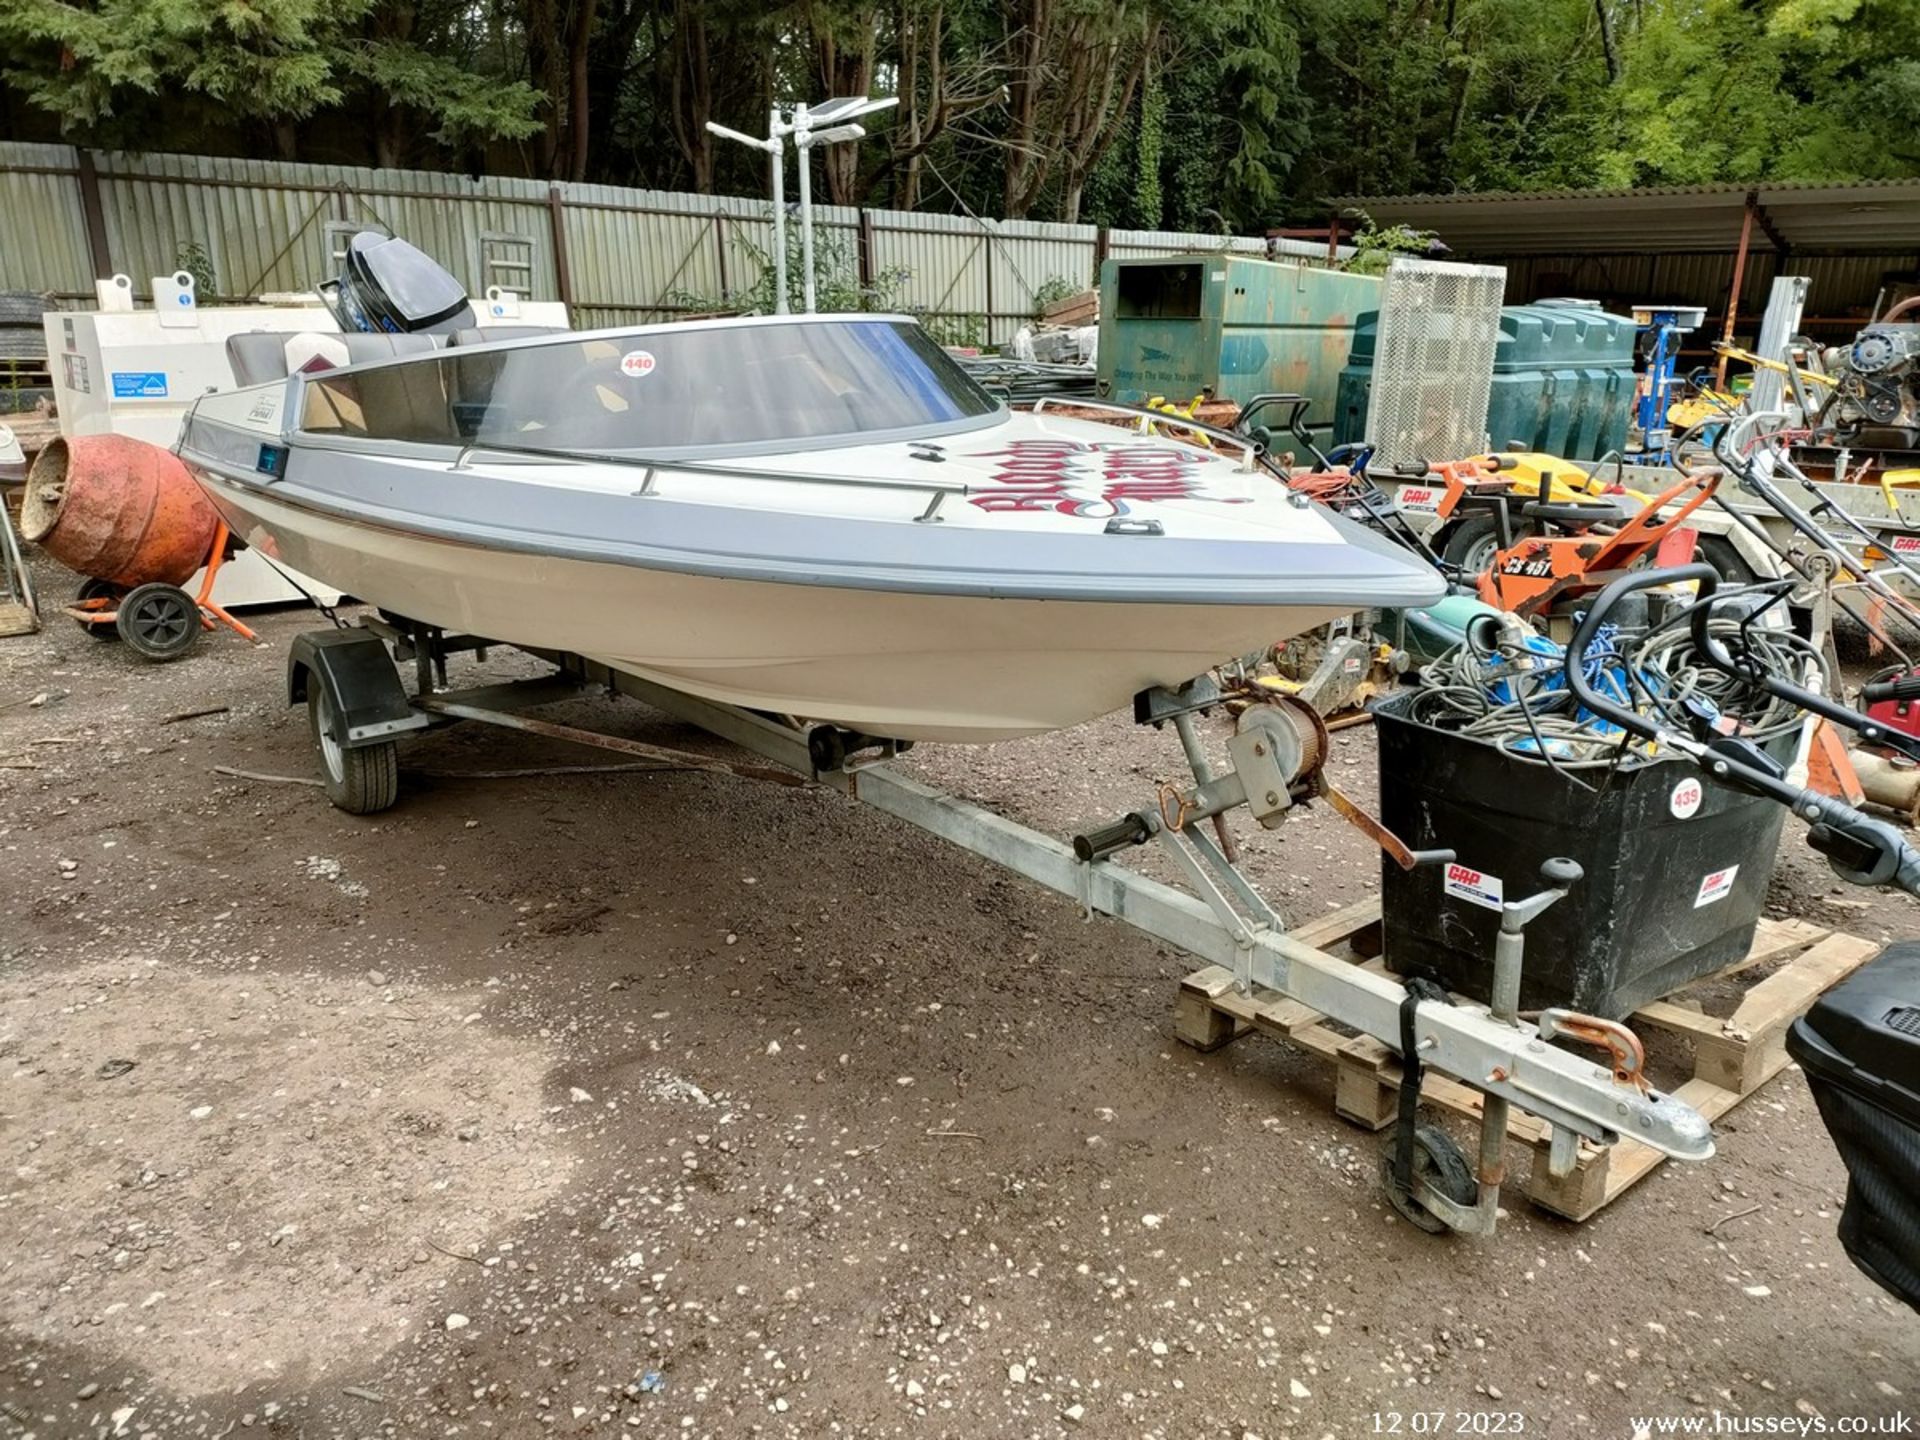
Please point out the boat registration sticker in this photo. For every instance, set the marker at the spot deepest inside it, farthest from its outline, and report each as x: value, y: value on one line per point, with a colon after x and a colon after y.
x: 1686, y: 798
x: 1717, y: 886
x: 1420, y: 498
x: 637, y: 363
x: 1475, y: 886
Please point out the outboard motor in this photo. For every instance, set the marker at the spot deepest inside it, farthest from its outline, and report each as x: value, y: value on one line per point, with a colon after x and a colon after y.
x: 391, y: 287
x: 1860, y: 1048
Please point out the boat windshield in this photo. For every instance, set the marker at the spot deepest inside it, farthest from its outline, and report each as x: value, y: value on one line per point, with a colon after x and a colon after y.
x: 736, y: 387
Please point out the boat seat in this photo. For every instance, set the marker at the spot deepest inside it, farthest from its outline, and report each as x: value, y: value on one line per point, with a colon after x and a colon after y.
x: 259, y: 356
x: 492, y: 334
x: 409, y: 404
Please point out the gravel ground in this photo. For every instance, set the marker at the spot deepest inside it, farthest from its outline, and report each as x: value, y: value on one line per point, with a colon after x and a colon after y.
x: 674, y: 1104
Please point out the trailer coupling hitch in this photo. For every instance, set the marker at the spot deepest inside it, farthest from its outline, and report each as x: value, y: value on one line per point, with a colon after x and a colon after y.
x: 1623, y: 1047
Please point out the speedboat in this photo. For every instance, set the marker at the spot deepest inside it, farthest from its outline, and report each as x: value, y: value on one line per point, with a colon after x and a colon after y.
x: 818, y: 516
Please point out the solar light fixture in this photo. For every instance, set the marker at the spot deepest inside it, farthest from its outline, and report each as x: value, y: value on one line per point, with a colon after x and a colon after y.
x: 828, y: 123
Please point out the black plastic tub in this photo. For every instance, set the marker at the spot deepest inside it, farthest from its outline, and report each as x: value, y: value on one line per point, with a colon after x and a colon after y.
x: 1860, y: 1047
x: 1676, y: 869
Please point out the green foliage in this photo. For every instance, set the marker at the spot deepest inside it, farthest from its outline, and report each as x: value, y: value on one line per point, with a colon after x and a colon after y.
x: 1052, y: 291
x: 264, y: 59
x: 1768, y: 89
x: 466, y: 105
x: 118, y: 69
x: 192, y: 257
x: 1206, y: 115
x: 1374, y: 246
x: 1149, y: 148
x: 836, y: 284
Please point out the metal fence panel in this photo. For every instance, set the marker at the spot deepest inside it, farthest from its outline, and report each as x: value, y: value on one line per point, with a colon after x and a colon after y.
x: 630, y: 255
x: 43, y: 234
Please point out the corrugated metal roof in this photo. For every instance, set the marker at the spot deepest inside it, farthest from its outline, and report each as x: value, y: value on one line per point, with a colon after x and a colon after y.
x: 1877, y: 216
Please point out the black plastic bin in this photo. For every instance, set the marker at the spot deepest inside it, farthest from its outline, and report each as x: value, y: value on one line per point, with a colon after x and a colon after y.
x: 1676, y: 869
x: 1860, y: 1047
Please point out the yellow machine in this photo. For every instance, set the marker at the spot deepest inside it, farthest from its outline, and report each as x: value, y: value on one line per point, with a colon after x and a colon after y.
x: 1564, y: 479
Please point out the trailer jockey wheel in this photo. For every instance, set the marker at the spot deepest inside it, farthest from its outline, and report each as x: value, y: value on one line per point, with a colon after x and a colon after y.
x: 159, y: 621
x: 361, y: 779
x: 1438, y: 1161
x: 91, y: 589
x: 1417, y: 1152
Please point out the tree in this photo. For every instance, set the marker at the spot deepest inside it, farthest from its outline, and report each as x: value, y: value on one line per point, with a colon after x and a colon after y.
x: 105, y: 68
x: 1073, y: 68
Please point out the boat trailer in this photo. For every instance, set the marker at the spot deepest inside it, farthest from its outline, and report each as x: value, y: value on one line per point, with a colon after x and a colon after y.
x: 349, y: 679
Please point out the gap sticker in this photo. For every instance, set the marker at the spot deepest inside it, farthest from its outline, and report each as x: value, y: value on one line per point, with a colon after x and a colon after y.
x: 1686, y: 799
x: 1421, y: 498
x: 637, y: 363
x: 1717, y: 886
x: 1906, y: 544
x: 1475, y: 886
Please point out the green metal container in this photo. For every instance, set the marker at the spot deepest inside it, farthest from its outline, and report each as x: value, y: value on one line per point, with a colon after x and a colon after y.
x: 1228, y: 327
x: 1562, y: 380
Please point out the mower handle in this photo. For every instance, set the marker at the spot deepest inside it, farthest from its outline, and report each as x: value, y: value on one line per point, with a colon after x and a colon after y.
x: 1711, y: 649
x: 1859, y: 848
x: 1609, y: 710
x: 1901, y: 687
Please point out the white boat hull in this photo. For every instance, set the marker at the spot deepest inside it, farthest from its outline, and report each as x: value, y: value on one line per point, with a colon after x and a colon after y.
x: 968, y: 669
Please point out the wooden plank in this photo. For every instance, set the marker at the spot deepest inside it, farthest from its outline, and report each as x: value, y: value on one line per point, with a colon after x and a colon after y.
x: 1788, y: 992
x: 1196, y: 1019
x: 1338, y: 925
x: 1580, y: 1195
x: 1771, y: 940
x: 1752, y: 1045
x: 1066, y: 311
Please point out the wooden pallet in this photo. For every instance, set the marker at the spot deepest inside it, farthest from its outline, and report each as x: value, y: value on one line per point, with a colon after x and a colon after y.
x: 1732, y: 1057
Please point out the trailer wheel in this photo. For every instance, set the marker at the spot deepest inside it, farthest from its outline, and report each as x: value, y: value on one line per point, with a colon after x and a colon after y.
x: 361, y: 779
x: 1437, y: 1159
x: 159, y: 621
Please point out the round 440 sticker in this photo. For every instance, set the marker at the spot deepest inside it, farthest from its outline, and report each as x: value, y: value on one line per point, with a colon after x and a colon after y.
x: 637, y: 363
x: 1686, y: 798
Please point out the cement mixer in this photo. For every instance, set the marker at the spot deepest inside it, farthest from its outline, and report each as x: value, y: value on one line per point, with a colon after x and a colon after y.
x: 128, y: 516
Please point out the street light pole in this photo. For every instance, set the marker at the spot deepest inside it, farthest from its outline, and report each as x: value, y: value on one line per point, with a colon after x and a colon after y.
x: 836, y: 115
x: 777, y: 157
x: 803, y: 151
x: 804, y: 139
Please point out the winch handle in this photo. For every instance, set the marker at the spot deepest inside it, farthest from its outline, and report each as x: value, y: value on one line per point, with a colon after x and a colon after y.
x: 1630, y: 721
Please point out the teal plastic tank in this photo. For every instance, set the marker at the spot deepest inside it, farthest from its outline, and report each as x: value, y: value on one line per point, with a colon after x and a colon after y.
x: 1228, y: 327
x: 1562, y: 380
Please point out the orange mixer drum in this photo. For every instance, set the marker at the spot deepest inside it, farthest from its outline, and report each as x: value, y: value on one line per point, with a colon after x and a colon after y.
x: 118, y: 509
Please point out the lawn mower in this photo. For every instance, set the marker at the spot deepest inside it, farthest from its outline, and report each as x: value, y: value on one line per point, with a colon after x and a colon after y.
x: 1860, y: 1044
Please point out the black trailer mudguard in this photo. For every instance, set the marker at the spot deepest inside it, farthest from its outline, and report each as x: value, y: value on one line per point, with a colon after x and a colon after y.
x: 369, y: 703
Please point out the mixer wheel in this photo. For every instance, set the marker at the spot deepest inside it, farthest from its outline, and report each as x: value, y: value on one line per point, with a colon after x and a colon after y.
x: 91, y: 589
x: 159, y: 621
